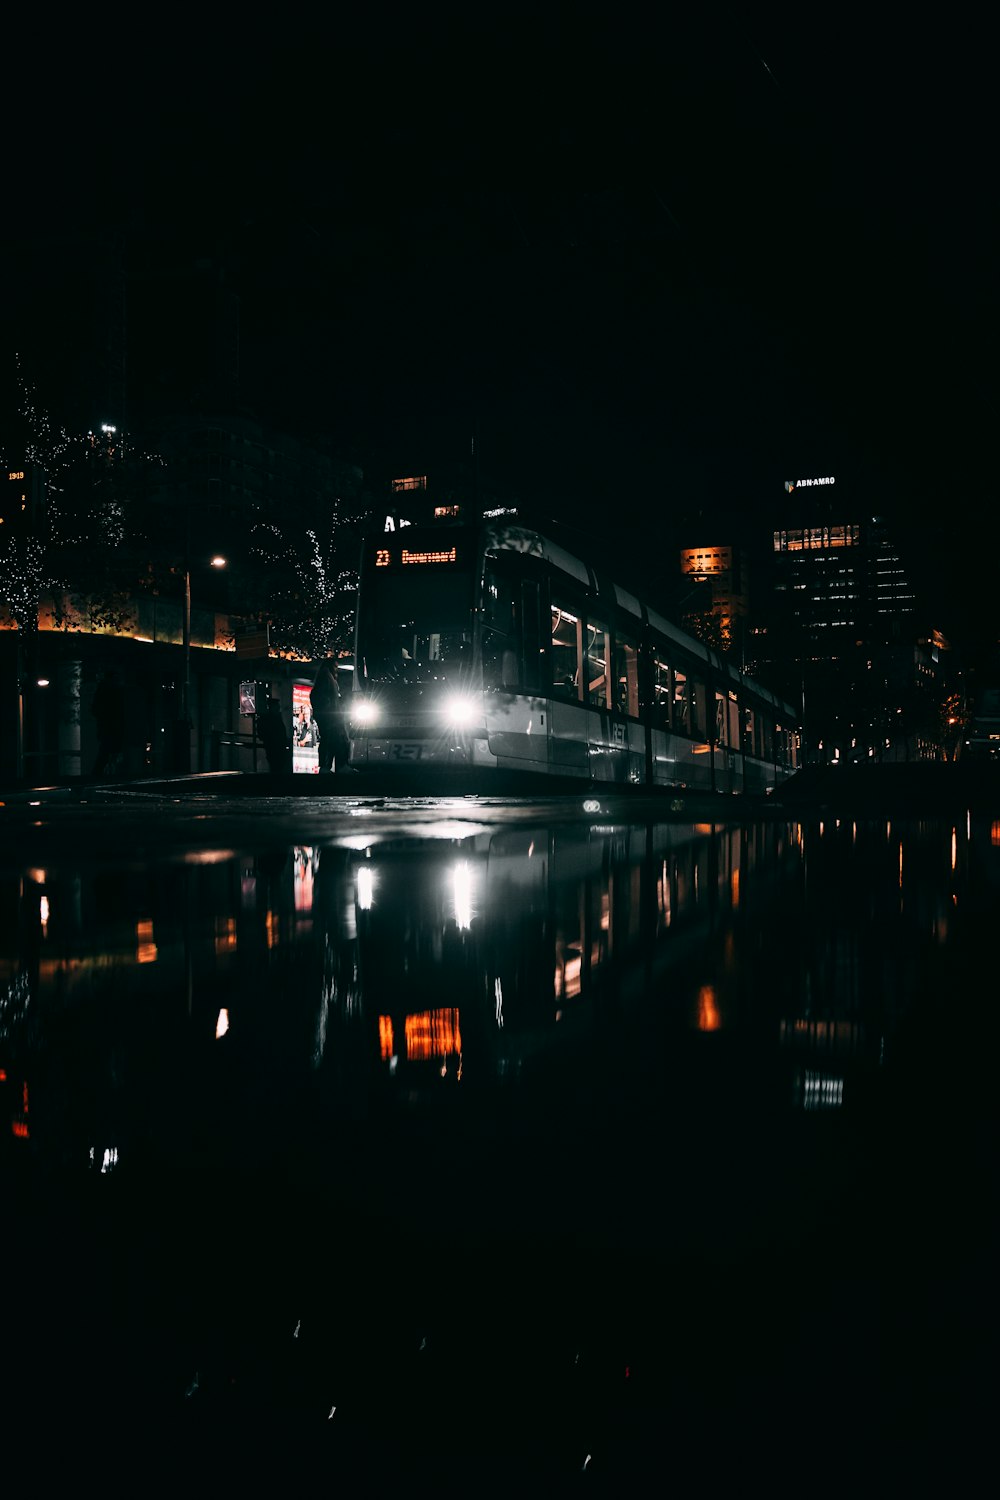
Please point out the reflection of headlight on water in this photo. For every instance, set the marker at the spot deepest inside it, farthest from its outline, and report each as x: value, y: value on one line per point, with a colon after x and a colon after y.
x: 461, y: 712
x: 365, y: 712
x: 366, y: 888
x: 461, y: 884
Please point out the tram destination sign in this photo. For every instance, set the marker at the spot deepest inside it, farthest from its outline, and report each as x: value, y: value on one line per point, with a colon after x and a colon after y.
x: 399, y: 555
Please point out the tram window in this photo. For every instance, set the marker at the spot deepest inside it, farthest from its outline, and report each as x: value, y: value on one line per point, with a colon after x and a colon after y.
x: 598, y: 677
x: 788, y: 744
x: 499, y: 596
x: 564, y: 652
x: 626, y: 679
x: 442, y: 653
x: 699, y: 708
x: 499, y: 662
x: 512, y: 635
x: 780, y: 746
x: 682, y: 703
x: 661, y: 693
x: 407, y: 628
x: 733, y: 737
x: 768, y: 749
x: 721, y: 735
x: 500, y: 655
x: 726, y: 721
x: 532, y: 636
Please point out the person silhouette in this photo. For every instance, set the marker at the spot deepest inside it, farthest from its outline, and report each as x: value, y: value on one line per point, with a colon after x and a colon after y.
x: 330, y: 717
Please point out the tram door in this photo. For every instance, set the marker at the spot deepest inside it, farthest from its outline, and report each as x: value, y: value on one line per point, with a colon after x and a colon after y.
x: 513, y: 666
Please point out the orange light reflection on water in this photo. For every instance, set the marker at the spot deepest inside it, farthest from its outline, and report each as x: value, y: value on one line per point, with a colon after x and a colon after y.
x: 709, y: 1018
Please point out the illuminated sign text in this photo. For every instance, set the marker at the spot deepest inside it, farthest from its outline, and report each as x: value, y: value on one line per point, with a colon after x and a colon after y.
x: 427, y: 557
x: 804, y: 484
x: 386, y: 557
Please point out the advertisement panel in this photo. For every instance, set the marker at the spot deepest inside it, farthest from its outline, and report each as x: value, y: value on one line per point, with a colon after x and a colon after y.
x: 305, y: 739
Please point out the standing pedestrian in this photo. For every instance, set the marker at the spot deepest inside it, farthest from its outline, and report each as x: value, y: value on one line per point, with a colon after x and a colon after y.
x: 330, y: 717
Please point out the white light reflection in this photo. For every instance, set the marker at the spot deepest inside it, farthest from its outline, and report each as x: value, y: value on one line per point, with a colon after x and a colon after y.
x: 43, y: 912
x: 451, y: 828
x: 498, y: 995
x: 822, y: 1092
x: 461, y: 880
x: 365, y: 885
x: 222, y: 1024
x: 443, y: 828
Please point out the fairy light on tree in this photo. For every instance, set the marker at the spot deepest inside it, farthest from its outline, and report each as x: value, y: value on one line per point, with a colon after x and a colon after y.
x: 24, y: 572
x: 78, y: 546
x: 307, y: 594
x: 22, y: 579
x: 304, y: 583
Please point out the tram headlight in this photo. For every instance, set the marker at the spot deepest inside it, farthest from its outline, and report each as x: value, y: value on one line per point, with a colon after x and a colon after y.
x: 461, y: 711
x: 365, y: 712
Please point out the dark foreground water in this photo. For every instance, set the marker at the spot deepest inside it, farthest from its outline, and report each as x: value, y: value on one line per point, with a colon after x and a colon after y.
x: 373, y: 1153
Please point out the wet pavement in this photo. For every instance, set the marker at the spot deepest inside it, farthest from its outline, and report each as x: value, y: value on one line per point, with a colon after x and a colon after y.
x: 403, y: 1142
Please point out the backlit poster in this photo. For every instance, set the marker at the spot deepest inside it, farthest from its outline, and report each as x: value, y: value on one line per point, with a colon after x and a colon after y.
x: 305, y: 737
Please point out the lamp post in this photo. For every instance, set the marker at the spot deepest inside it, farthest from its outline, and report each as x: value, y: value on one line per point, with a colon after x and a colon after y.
x: 186, y: 723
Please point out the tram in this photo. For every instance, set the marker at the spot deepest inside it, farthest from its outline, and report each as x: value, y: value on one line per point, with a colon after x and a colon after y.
x: 493, y: 646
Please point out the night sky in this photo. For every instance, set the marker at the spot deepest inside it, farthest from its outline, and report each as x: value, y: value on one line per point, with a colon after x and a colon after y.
x: 660, y: 262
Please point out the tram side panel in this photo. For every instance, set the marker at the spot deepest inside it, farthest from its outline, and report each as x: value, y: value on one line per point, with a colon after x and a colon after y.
x: 680, y: 762
x: 517, y: 731
x: 564, y: 739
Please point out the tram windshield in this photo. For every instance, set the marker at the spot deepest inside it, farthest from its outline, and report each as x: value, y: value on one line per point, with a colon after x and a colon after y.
x: 415, y: 625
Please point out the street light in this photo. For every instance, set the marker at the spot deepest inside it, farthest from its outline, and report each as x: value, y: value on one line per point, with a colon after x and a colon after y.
x: 216, y: 562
